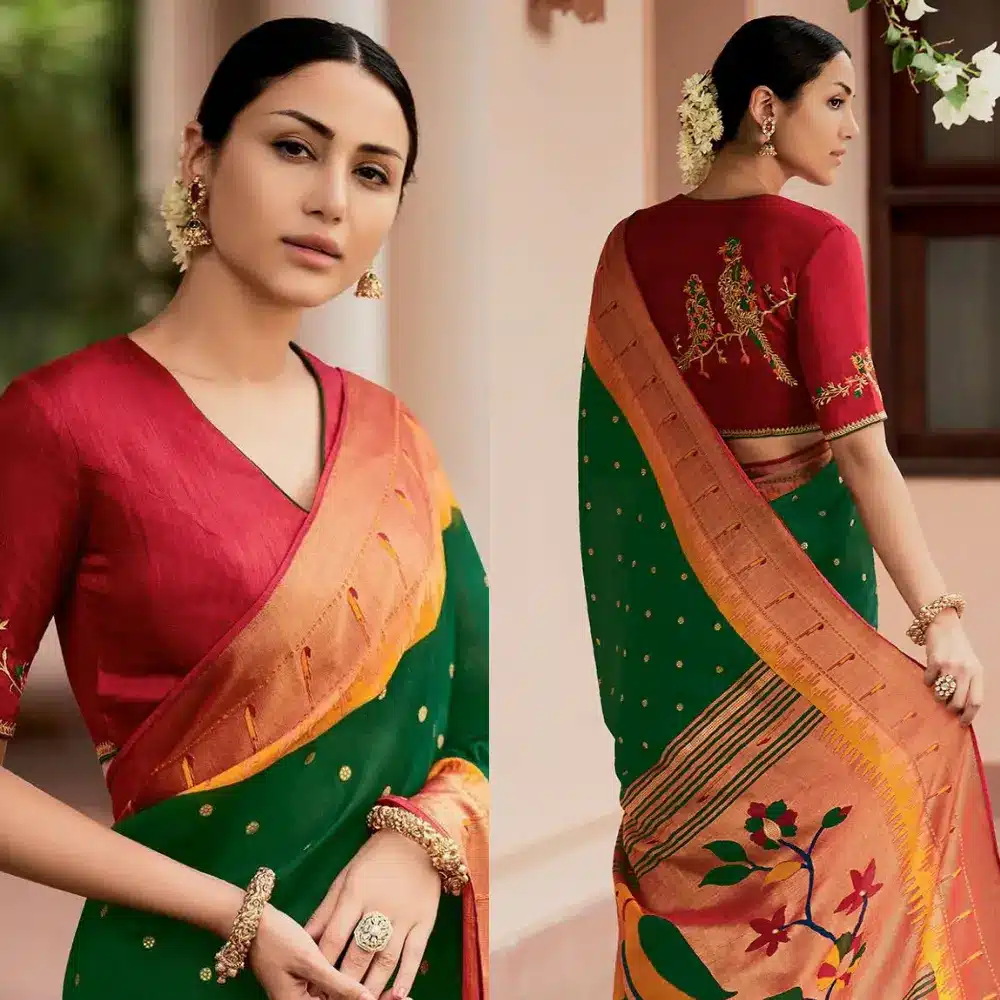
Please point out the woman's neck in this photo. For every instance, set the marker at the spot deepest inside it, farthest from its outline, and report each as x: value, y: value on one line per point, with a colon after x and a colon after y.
x: 215, y: 328
x: 741, y: 173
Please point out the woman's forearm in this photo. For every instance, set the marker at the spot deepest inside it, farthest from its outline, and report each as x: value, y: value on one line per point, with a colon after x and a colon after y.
x: 45, y: 841
x: 888, y: 514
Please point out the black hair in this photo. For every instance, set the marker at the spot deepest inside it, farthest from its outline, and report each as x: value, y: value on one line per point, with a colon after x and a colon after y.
x: 779, y: 52
x: 279, y: 47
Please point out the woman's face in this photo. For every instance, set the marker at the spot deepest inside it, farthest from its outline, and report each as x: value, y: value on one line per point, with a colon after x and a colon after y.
x: 317, y: 158
x: 812, y: 134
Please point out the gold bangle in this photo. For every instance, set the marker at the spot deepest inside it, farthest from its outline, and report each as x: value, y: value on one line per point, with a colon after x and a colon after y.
x: 926, y: 615
x: 232, y: 957
x: 443, y: 852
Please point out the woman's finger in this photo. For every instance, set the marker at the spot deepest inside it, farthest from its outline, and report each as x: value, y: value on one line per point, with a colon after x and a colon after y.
x: 409, y: 962
x: 384, y: 963
x: 334, y: 985
x: 318, y: 921
x: 931, y: 672
x: 975, y: 700
x: 957, y: 701
x: 338, y: 932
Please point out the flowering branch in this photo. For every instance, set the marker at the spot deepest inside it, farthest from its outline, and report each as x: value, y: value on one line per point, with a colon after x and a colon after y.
x: 969, y: 89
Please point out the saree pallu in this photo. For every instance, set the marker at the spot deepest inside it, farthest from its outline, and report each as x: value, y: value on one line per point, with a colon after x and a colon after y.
x: 801, y: 819
x: 360, y: 675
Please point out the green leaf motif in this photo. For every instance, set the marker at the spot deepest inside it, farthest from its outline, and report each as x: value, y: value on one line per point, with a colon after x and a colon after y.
x: 776, y: 809
x: 855, y: 5
x: 844, y: 943
x: 727, y: 875
x: 728, y: 850
x: 902, y: 55
x: 857, y: 957
x: 833, y: 818
x: 795, y: 994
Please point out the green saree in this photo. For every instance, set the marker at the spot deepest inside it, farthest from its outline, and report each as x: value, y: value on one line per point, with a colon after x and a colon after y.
x: 361, y: 675
x: 800, y: 818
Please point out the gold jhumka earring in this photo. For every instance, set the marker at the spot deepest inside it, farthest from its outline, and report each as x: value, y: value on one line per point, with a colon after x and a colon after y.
x: 180, y: 210
x: 369, y: 286
x: 767, y: 149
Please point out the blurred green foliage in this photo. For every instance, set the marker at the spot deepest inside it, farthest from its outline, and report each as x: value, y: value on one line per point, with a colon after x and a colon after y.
x: 70, y: 273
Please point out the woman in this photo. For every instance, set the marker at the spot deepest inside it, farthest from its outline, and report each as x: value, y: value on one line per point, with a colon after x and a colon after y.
x: 801, y: 816
x: 272, y: 614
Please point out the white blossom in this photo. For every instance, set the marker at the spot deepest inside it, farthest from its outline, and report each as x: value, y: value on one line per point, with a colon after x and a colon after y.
x: 987, y: 61
x: 946, y: 114
x: 701, y: 126
x: 947, y: 77
x: 915, y: 9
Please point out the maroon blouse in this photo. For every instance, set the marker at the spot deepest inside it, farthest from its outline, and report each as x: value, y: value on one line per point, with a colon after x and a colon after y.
x: 762, y: 302
x: 130, y: 518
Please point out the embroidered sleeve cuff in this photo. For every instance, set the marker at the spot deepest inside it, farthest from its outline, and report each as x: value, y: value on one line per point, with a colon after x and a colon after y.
x: 855, y: 425
x: 7, y: 729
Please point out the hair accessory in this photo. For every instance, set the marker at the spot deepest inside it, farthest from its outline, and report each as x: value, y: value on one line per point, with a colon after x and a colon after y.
x: 767, y: 149
x: 701, y: 127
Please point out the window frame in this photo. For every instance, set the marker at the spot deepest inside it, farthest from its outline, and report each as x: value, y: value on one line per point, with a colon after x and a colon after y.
x: 911, y: 201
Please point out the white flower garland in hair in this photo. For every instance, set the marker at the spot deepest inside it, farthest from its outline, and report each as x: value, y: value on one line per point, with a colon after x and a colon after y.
x: 701, y: 126
x: 175, y: 210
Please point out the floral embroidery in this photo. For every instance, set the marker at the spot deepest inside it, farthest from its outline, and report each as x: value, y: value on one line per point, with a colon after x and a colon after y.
x: 774, y: 827
x: 14, y: 672
x: 744, y: 311
x: 854, y: 385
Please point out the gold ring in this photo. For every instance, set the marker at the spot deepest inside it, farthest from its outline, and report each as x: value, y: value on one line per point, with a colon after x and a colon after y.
x: 945, y: 687
x: 373, y: 932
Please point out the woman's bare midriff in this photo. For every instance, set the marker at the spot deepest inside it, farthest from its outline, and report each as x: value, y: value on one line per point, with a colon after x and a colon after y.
x: 770, y: 449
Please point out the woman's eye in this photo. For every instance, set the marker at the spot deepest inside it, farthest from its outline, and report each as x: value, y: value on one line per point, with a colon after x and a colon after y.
x: 836, y: 103
x: 375, y: 174
x: 292, y: 148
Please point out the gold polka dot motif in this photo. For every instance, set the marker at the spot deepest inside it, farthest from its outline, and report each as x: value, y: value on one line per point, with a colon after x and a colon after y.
x: 440, y: 741
x: 422, y: 714
x: 387, y: 791
x: 104, y: 910
x: 424, y: 967
x: 310, y: 757
x: 148, y: 942
x: 205, y: 975
x: 451, y: 669
x: 679, y: 664
x: 252, y: 827
x: 76, y: 979
x: 344, y: 773
x: 206, y: 810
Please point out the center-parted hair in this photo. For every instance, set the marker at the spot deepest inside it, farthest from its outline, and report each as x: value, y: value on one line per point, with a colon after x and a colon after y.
x: 779, y: 52
x: 278, y: 47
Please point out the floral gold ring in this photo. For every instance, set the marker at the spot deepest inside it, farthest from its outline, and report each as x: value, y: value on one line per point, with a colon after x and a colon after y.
x: 945, y: 687
x: 373, y: 932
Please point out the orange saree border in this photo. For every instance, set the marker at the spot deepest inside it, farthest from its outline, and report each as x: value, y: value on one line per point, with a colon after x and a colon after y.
x: 363, y: 582
x: 755, y: 571
x: 456, y: 800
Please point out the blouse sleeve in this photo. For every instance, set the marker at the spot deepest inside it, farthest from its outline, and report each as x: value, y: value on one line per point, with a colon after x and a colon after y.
x: 39, y: 478
x: 833, y: 339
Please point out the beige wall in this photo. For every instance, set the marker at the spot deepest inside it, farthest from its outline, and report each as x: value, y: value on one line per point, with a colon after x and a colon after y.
x: 564, y: 157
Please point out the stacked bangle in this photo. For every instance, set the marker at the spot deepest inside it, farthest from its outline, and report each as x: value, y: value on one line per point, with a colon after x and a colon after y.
x: 926, y: 615
x: 232, y: 957
x: 443, y: 852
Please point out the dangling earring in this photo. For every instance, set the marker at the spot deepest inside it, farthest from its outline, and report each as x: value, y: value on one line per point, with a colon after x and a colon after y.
x: 180, y: 210
x: 368, y: 287
x: 767, y: 149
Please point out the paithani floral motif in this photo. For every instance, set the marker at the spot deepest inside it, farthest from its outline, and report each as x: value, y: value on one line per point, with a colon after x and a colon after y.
x: 773, y: 828
x: 854, y: 385
x: 14, y: 672
x: 744, y: 310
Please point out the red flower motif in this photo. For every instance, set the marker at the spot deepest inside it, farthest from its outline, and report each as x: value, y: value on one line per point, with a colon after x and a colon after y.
x: 770, y: 932
x: 768, y: 824
x: 865, y: 887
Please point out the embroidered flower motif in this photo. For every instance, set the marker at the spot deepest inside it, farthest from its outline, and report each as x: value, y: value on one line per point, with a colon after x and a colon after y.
x: 770, y: 932
x: 767, y: 825
x: 14, y: 672
x: 865, y: 887
x: 838, y: 966
x: 854, y: 385
x: 701, y: 127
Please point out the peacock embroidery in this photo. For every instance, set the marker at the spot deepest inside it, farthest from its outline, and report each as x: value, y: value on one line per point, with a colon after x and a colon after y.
x: 743, y: 309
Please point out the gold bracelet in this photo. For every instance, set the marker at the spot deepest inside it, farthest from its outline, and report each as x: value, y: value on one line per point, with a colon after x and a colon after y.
x: 443, y: 852
x: 926, y: 615
x: 232, y: 957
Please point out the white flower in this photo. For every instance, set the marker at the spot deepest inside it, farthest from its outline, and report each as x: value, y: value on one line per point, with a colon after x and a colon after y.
x: 947, y: 77
x: 946, y: 114
x: 981, y: 101
x: 701, y: 126
x: 987, y: 61
x: 915, y: 9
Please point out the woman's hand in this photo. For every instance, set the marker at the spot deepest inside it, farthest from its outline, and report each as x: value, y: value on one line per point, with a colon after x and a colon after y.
x: 949, y: 652
x: 393, y: 875
x: 290, y: 966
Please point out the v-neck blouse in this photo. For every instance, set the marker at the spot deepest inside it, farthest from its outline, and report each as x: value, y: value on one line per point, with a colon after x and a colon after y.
x: 131, y: 519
